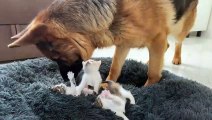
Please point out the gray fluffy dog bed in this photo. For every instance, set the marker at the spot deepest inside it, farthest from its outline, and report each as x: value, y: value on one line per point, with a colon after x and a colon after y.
x: 25, y: 95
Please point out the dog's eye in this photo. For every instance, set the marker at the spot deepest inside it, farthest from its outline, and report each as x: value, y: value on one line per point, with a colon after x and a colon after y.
x: 50, y: 47
x: 46, y: 46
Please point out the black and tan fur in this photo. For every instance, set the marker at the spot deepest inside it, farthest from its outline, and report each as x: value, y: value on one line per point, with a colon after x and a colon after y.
x: 70, y: 30
x: 108, y: 85
x: 111, y: 86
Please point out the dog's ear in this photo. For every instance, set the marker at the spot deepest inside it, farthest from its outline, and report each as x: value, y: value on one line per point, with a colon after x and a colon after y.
x: 29, y: 36
x: 15, y: 37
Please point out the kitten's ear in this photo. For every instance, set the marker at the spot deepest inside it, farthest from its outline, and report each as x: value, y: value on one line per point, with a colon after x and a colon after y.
x: 84, y: 63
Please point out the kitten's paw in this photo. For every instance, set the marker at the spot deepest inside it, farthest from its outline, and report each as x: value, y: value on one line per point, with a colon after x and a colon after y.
x: 85, y: 91
x: 61, y: 88
x: 70, y: 75
x: 132, y: 101
x: 88, y: 91
x: 77, y: 94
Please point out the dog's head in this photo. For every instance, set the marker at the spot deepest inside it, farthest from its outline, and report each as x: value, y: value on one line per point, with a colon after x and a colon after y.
x: 56, y: 42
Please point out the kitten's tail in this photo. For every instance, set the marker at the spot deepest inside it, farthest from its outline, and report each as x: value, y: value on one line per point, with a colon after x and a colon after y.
x: 127, y: 94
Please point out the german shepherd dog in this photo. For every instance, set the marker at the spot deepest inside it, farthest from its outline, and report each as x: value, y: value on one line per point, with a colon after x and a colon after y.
x: 68, y: 31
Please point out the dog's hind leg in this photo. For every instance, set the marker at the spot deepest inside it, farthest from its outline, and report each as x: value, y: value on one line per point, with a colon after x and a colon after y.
x: 189, y: 21
x: 177, y: 55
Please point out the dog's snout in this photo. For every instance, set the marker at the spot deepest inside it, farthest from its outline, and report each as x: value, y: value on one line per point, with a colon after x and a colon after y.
x: 65, y: 67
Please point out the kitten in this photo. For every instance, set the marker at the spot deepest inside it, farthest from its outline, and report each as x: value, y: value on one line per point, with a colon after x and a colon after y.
x: 63, y: 89
x: 118, y: 90
x: 114, y: 98
x: 91, y: 77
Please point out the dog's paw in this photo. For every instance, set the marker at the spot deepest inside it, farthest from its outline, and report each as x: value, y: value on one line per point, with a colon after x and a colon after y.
x: 61, y: 88
x: 88, y: 91
x: 150, y: 82
x: 176, y: 61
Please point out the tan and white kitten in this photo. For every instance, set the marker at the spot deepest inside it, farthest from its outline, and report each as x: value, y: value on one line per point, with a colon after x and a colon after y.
x: 114, y: 98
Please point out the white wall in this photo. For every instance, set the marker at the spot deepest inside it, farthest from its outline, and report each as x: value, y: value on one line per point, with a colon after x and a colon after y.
x: 203, y: 15
x: 208, y: 33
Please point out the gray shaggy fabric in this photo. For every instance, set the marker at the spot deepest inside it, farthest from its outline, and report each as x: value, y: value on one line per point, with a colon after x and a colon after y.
x: 25, y: 95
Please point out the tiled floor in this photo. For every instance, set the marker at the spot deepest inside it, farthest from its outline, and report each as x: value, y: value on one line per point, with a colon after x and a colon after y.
x: 196, y: 59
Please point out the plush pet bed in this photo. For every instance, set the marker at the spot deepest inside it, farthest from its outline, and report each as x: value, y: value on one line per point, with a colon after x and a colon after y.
x: 25, y: 95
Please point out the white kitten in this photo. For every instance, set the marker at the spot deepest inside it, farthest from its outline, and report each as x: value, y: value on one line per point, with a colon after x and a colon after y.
x: 91, y: 77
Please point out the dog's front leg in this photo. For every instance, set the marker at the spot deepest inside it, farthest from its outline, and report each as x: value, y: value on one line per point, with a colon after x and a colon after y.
x: 156, y: 55
x: 120, y: 55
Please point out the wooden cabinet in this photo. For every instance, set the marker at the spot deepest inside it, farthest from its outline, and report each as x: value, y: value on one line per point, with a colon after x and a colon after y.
x: 14, y: 17
x: 15, y: 53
